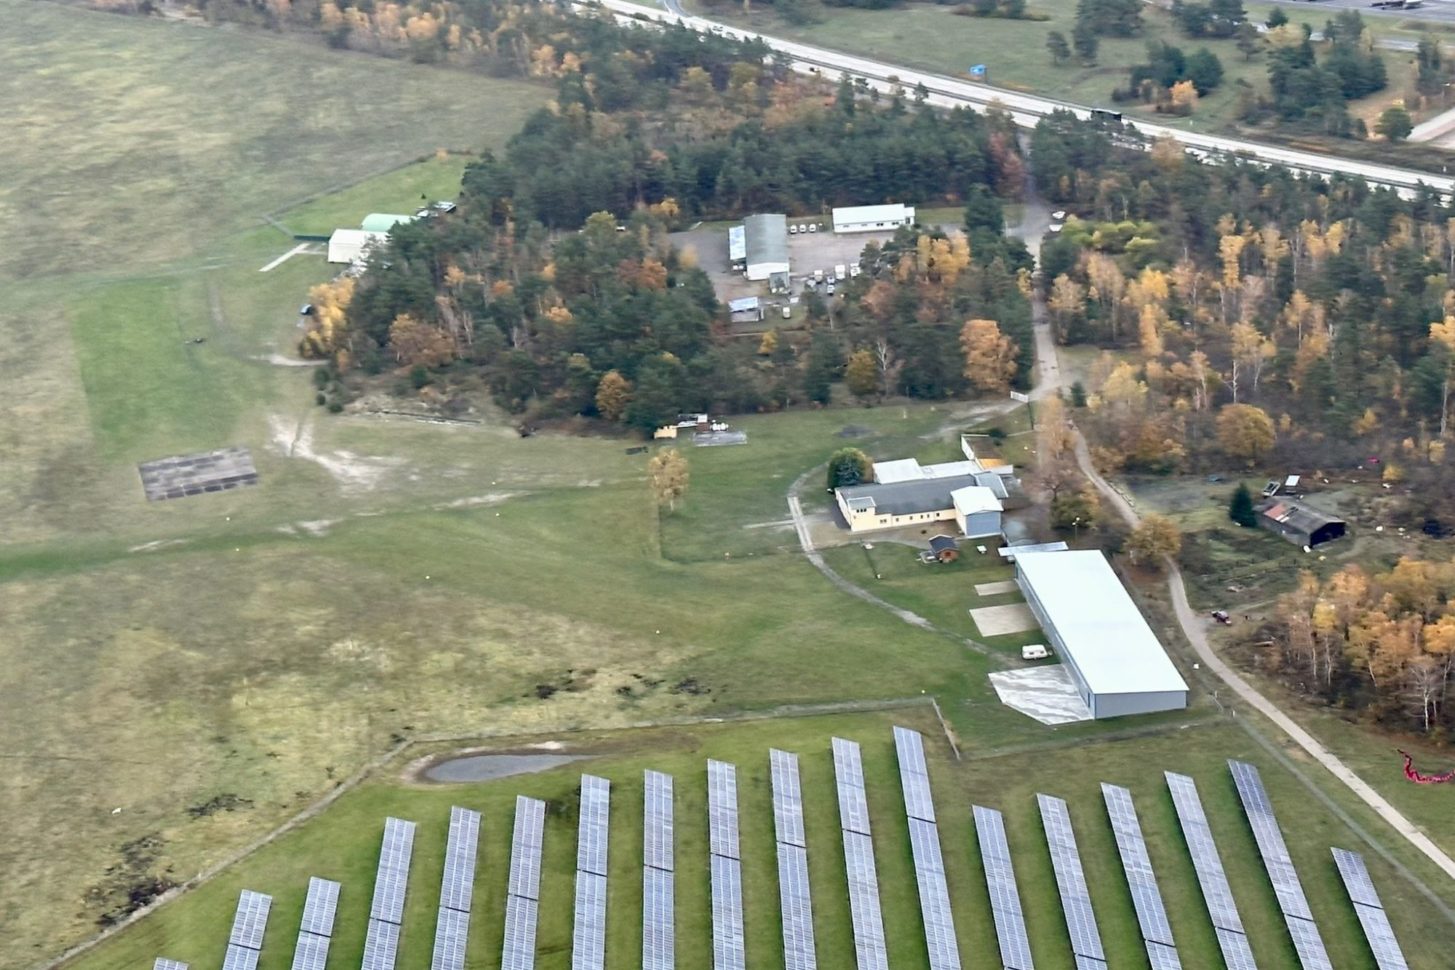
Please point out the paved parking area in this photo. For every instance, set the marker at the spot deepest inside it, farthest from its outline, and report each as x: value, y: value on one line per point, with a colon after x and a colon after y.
x: 1045, y: 693
x: 995, y: 621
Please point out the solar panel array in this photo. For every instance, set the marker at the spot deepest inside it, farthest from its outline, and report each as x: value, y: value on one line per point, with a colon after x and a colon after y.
x: 248, y: 925
x: 588, y: 936
x: 659, y: 949
x: 1370, y: 910
x: 316, y: 929
x: 1286, y: 885
x: 166, y: 963
x: 1137, y: 865
x: 729, y: 947
x: 1211, y: 876
x: 523, y: 890
x: 393, y: 877
x: 239, y: 958
x: 457, y: 888
x: 381, y: 946
x: 795, y: 901
x: 924, y: 843
x: 381, y: 942
x: 1005, y: 900
x: 1071, y: 883
x: 868, y: 919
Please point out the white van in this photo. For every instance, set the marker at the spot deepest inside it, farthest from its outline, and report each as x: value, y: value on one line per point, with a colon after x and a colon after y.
x: 839, y: 271
x: 1035, y: 651
x: 787, y: 313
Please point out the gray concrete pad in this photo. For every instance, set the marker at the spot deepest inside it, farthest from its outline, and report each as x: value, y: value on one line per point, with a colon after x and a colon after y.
x: 1045, y: 693
x: 994, y: 621
x: 995, y: 589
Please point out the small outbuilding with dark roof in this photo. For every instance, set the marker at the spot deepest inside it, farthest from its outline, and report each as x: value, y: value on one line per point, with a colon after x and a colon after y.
x: 1300, y: 523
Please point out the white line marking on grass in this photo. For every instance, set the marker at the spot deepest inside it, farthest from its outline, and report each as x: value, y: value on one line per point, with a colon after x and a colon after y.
x: 300, y: 248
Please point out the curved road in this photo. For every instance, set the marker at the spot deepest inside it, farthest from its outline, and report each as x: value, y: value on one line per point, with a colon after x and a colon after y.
x: 1026, y: 109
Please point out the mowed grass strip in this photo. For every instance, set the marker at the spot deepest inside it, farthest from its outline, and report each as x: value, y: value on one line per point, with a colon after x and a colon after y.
x: 344, y: 844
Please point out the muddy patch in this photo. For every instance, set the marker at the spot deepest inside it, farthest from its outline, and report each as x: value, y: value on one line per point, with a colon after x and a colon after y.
x: 489, y: 767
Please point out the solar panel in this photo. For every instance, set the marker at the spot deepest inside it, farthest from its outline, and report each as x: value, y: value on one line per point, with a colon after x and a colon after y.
x: 1237, y: 955
x: 722, y: 809
x: 311, y: 952
x: 1370, y: 910
x: 658, y: 821
x: 320, y: 906
x: 1005, y: 902
x: 914, y: 778
x: 728, y: 944
x: 461, y: 849
x: 525, y: 848
x: 849, y: 772
x: 1382, y: 943
x: 796, y: 907
x: 1356, y: 878
x: 240, y: 958
x: 1279, y: 866
x: 934, y: 895
x: 1070, y: 879
x: 592, y: 832
x: 868, y: 919
x: 1205, y: 859
x: 393, y: 877
x: 588, y: 934
x: 1163, y: 957
x: 1308, y: 944
x: 787, y: 798
x: 1090, y: 963
x: 519, y: 952
x: 381, y: 945
x: 909, y: 745
x: 167, y: 963
x: 250, y: 920
x: 658, y: 927
x: 451, y: 931
x: 1137, y: 865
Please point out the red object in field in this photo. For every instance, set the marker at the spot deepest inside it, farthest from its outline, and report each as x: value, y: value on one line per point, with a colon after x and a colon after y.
x: 1420, y: 779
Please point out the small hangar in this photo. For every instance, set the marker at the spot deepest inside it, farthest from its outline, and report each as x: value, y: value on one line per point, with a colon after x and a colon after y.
x: 1114, y: 658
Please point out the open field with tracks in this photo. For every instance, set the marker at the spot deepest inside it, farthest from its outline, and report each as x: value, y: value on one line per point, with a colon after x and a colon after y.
x: 184, y: 676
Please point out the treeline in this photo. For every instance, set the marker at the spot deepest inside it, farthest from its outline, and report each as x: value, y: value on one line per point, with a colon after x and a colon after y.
x: 788, y: 152
x: 1378, y: 642
x: 1327, y: 306
x: 556, y: 285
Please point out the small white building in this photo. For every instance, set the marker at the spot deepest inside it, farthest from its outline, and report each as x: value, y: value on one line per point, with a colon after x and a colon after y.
x: 352, y: 245
x: 977, y: 511
x: 873, y: 218
x: 1114, y: 658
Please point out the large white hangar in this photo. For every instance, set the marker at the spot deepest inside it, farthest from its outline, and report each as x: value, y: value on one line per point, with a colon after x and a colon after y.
x: 1113, y: 656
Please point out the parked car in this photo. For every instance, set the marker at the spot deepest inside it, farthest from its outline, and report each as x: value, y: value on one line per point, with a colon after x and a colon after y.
x: 787, y: 313
x: 306, y: 310
x: 813, y: 227
x: 793, y: 230
x: 831, y: 289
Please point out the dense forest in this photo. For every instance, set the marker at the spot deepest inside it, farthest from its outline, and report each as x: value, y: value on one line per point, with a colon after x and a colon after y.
x: 557, y: 283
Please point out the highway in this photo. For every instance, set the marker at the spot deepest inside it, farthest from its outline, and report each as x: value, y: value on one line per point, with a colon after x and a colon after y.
x: 1027, y: 109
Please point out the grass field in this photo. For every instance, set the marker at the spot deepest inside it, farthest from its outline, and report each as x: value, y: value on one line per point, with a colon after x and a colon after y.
x: 931, y: 37
x: 343, y: 845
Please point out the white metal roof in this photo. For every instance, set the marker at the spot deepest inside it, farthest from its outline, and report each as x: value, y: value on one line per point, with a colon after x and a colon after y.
x: 1100, y: 627
x: 737, y: 244
x: 850, y: 215
x: 347, y: 245
x: 899, y: 470
x: 910, y: 470
x: 975, y: 498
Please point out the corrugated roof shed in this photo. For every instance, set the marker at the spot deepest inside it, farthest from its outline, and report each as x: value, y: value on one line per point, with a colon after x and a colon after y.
x: 1296, y: 515
x: 1110, y: 642
x: 382, y: 221
x: 737, y: 244
x: 909, y: 497
x: 766, y: 237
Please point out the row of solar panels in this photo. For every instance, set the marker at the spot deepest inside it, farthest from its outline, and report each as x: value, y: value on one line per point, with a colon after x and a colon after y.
x: 386, y: 910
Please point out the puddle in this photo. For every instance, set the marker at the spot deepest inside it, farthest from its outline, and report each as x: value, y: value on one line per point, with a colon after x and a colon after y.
x: 488, y: 767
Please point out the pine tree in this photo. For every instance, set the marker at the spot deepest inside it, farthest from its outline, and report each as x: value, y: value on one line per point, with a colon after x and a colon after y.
x: 1240, y: 508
